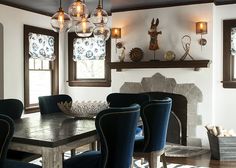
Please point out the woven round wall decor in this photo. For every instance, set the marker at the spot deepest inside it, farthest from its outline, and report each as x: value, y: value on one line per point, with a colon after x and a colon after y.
x: 136, y: 54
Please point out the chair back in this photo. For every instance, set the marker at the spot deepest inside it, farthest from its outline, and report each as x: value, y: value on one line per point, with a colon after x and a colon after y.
x: 11, y: 107
x: 155, y: 115
x: 126, y: 99
x: 48, y: 104
x: 116, y: 129
x: 6, y: 133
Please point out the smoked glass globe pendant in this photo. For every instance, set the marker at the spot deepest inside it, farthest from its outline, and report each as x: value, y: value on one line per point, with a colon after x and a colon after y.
x: 102, y: 31
x: 99, y: 15
x: 78, y: 10
x: 84, y: 28
x: 61, y: 21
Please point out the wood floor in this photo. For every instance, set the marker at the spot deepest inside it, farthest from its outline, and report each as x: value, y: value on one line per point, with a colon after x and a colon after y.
x: 203, y: 160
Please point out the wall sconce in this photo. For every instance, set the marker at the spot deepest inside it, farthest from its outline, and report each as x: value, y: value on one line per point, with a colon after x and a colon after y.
x: 116, y: 34
x: 201, y: 28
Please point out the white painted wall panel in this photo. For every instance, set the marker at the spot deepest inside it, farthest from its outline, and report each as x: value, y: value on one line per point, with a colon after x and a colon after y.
x: 13, y: 20
x: 223, y: 99
x: 1, y: 63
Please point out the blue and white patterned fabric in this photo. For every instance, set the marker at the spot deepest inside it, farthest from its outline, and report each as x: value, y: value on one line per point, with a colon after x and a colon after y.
x: 233, y: 41
x: 89, y: 49
x: 41, y: 47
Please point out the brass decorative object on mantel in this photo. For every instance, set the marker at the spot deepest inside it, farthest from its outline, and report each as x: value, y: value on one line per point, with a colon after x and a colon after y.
x: 136, y: 54
x: 122, y: 55
x: 186, y: 43
x: 169, y: 56
x: 153, y: 45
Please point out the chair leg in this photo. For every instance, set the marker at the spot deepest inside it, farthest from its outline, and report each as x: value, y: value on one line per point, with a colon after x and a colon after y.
x: 98, y: 145
x: 142, y: 161
x: 163, y: 158
x: 93, y: 146
x: 132, y: 163
x: 152, y: 160
x: 72, y: 152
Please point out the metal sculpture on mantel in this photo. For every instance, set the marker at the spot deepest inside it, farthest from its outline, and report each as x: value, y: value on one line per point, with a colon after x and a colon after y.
x: 153, y: 35
x: 186, y: 43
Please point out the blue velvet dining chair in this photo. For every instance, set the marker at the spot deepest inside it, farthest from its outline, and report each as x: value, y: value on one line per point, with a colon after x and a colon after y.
x: 6, y: 133
x: 125, y: 100
x: 116, y: 130
x: 13, y: 108
x: 48, y: 104
x: 155, y: 115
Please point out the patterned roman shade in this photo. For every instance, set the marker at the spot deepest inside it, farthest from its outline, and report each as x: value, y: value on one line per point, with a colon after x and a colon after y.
x: 89, y: 49
x: 41, y: 47
x: 233, y: 41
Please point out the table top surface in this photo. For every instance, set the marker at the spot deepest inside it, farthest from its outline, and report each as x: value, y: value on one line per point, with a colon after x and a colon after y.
x: 51, y: 130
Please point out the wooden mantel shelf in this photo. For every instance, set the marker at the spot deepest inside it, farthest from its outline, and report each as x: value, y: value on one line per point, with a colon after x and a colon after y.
x: 196, y: 64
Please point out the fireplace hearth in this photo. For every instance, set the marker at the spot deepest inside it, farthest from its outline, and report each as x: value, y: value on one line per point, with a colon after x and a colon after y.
x: 185, y: 98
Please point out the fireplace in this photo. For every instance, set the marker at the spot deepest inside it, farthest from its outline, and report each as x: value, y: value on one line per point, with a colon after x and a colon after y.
x: 185, y: 118
x: 177, y: 129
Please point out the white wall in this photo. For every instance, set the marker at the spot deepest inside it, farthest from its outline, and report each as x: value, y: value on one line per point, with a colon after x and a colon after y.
x: 1, y: 62
x: 223, y: 99
x: 13, y: 20
x: 174, y: 23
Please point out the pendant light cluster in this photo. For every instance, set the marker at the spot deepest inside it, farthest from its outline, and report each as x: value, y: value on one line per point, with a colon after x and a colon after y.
x: 78, y: 18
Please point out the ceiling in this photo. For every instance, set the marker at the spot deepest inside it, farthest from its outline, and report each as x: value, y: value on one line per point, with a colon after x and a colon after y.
x: 48, y: 7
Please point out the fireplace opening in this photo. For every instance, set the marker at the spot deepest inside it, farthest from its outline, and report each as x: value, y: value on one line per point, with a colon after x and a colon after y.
x: 174, y: 132
x: 177, y: 128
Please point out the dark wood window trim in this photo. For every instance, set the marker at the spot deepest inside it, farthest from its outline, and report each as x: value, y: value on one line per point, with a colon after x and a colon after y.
x: 228, y: 60
x: 88, y: 82
x: 53, y: 65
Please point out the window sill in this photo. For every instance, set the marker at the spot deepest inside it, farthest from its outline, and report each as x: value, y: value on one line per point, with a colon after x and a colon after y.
x: 229, y: 84
x: 32, y: 109
x: 90, y: 83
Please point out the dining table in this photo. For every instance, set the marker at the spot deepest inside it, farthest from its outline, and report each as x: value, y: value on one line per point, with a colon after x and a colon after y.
x: 51, y: 135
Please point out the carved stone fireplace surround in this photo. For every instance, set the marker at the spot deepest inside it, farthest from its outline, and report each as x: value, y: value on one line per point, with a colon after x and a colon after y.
x: 159, y: 83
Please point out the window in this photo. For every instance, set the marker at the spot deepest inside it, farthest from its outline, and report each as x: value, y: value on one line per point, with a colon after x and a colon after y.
x: 88, y: 61
x: 229, y: 49
x: 41, y: 65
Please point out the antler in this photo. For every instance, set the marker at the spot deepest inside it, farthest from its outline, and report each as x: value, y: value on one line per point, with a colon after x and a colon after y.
x: 157, y: 22
x: 152, y: 22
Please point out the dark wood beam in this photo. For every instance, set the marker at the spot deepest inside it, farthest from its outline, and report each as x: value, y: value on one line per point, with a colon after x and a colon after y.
x: 225, y: 2
x: 26, y: 8
x: 160, y: 6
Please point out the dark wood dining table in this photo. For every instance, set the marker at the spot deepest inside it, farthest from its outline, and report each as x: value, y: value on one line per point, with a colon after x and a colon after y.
x: 51, y: 135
